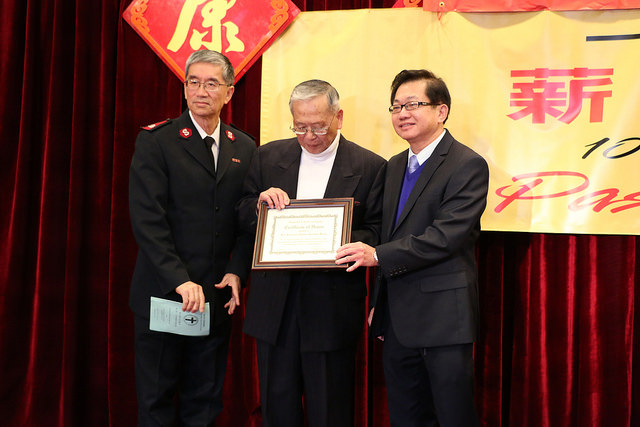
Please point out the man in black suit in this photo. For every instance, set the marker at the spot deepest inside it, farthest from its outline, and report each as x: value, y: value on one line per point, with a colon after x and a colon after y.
x: 425, y: 302
x: 307, y: 322
x: 183, y: 188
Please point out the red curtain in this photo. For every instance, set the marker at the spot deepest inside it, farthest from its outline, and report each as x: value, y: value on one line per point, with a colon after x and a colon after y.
x: 557, y: 348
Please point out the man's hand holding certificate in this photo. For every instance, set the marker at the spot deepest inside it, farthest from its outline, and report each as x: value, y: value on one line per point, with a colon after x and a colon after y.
x: 303, y: 233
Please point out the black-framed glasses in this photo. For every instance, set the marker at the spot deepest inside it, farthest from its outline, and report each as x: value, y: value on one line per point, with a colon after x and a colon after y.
x: 209, y: 85
x: 317, y: 131
x: 408, y: 106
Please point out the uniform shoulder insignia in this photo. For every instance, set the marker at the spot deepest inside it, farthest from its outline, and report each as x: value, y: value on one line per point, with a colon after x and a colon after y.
x: 155, y: 126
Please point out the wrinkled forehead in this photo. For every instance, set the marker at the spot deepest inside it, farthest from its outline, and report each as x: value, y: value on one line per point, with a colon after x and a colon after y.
x: 314, y: 110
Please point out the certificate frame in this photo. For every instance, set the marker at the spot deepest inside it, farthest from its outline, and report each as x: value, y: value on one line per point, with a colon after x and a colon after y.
x: 305, y: 234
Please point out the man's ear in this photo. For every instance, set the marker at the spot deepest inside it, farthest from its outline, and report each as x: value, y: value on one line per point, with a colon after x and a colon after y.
x: 230, y: 90
x: 443, y: 112
x: 339, y: 118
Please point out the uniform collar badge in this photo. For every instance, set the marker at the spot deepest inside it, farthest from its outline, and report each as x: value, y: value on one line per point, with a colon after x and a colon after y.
x: 230, y: 135
x: 185, y: 133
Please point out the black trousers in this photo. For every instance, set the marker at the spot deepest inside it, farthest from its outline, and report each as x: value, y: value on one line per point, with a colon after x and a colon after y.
x: 178, y: 378
x: 326, y: 379
x: 430, y: 386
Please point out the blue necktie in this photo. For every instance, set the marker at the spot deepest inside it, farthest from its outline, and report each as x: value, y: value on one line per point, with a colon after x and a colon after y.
x: 413, y: 163
x: 407, y: 184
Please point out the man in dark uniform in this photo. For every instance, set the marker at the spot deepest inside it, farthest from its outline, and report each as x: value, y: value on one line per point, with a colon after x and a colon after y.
x: 185, y: 179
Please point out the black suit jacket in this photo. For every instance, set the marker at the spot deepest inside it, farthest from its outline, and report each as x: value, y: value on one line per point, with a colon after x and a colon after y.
x: 182, y: 212
x: 427, y: 271
x: 332, y: 301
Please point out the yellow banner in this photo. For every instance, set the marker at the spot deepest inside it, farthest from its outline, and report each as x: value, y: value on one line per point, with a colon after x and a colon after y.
x: 550, y: 99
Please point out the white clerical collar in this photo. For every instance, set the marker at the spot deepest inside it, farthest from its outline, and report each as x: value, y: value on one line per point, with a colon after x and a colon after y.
x: 427, y: 151
x: 216, y: 132
x: 330, y: 150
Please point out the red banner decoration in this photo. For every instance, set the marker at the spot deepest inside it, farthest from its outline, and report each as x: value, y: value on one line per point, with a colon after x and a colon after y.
x: 516, y: 5
x: 241, y: 29
x: 408, y: 3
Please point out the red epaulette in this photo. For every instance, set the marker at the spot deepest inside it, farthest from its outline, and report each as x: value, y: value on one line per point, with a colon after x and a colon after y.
x: 155, y: 126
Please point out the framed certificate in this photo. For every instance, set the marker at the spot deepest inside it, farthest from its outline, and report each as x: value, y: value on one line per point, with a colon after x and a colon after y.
x: 305, y: 234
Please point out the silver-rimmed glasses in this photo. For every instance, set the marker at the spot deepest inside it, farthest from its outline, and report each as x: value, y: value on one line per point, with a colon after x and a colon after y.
x: 210, y: 85
x: 315, y: 131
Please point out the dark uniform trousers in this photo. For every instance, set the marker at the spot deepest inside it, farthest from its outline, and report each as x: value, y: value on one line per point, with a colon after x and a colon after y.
x: 170, y: 357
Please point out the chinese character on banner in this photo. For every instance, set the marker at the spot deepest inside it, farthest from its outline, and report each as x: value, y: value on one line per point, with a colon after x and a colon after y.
x: 560, y: 93
x: 241, y: 29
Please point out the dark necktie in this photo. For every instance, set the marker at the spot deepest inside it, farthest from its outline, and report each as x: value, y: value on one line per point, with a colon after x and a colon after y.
x: 209, y: 142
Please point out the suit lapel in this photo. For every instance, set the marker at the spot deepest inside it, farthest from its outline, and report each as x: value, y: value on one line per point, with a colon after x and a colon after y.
x: 225, y: 153
x: 433, y: 163
x: 192, y: 143
x: 342, y: 180
x: 393, y: 186
x: 288, y: 167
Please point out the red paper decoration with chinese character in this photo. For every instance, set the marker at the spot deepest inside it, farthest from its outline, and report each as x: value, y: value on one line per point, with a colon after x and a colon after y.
x: 240, y: 29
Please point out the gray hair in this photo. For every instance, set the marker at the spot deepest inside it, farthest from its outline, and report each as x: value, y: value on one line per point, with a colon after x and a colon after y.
x: 215, y: 58
x: 312, y: 88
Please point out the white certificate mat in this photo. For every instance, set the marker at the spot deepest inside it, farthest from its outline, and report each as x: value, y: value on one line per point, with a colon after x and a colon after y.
x: 167, y: 316
x: 314, y: 234
x: 305, y: 234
